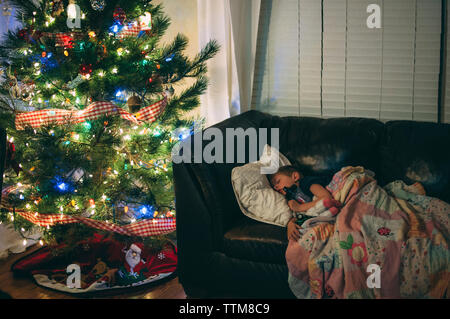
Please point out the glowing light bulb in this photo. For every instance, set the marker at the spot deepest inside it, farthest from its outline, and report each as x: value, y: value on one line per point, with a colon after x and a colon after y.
x: 114, y: 70
x: 41, y: 242
x: 24, y: 242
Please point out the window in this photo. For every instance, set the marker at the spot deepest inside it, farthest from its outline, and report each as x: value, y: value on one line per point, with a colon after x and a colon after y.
x: 319, y: 58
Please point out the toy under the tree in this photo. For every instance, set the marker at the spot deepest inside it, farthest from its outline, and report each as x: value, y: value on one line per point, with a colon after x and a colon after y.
x: 89, y: 161
x: 134, y: 267
x: 105, y: 264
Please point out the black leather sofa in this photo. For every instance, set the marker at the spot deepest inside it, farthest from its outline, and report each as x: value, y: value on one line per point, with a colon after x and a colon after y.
x: 222, y: 253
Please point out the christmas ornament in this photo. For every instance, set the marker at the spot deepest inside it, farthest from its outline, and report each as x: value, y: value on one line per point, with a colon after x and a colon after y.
x: 75, y: 82
x: 85, y: 69
x: 119, y: 15
x: 14, y: 88
x: 98, y: 5
x: 57, y: 7
x: 30, y: 35
x: 146, y: 21
x: 134, y: 104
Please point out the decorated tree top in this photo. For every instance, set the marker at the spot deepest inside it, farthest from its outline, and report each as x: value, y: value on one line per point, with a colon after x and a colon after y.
x: 73, y: 52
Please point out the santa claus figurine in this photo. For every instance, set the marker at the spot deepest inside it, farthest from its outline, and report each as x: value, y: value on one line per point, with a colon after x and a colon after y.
x: 134, y: 263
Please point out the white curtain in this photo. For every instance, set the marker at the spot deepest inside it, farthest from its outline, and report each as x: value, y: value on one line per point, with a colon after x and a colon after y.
x: 7, y: 20
x: 234, y: 24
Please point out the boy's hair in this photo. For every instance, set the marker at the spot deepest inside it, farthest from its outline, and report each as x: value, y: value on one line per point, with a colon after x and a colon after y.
x: 286, y: 170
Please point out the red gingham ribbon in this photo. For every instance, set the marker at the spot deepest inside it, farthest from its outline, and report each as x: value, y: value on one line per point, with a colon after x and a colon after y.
x: 131, y: 30
x: 143, y: 228
x: 64, y: 39
x: 95, y: 110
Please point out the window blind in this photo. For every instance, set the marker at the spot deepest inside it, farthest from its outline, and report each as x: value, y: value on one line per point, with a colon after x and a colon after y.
x: 446, y: 108
x: 334, y: 57
x: 399, y: 36
x: 345, y: 68
x: 427, y: 60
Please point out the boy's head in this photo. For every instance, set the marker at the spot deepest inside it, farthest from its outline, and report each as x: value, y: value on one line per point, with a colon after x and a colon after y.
x: 286, y: 176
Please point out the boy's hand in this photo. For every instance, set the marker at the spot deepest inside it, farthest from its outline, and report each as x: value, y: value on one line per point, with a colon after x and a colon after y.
x: 293, y: 230
x: 293, y: 205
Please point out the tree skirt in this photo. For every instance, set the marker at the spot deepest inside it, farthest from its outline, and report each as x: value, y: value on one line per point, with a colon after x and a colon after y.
x: 97, y: 264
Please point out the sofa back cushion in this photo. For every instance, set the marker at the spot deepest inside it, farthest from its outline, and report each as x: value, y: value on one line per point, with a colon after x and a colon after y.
x: 326, y: 145
x: 417, y: 152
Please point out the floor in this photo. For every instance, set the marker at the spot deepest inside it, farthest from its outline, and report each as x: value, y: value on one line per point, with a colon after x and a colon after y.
x: 25, y: 288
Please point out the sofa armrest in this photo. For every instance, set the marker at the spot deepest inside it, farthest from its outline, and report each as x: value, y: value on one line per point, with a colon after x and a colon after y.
x: 205, y: 203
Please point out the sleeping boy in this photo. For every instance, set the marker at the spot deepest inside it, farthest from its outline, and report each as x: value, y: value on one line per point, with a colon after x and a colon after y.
x: 316, y: 200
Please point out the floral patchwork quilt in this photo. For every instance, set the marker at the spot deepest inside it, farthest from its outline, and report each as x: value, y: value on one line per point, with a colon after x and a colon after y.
x: 386, y: 242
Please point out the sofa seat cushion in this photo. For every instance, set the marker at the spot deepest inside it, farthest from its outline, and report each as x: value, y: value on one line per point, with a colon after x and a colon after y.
x: 255, y: 241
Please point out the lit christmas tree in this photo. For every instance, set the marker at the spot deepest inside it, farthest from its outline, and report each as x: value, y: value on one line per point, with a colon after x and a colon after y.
x: 91, y: 112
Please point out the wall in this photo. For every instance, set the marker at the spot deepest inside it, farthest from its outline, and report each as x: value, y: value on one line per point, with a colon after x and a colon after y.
x: 183, y: 15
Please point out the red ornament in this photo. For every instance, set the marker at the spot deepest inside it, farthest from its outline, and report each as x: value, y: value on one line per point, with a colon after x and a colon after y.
x: 85, y: 69
x: 119, y: 15
x: 30, y: 35
x: 22, y: 33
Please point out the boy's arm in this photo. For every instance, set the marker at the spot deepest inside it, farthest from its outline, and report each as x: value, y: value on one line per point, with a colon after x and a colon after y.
x: 318, y: 190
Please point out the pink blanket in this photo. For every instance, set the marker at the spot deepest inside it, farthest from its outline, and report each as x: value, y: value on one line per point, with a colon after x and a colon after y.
x: 389, y: 242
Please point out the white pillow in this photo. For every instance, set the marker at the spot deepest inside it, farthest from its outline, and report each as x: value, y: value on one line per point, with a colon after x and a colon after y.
x: 255, y: 196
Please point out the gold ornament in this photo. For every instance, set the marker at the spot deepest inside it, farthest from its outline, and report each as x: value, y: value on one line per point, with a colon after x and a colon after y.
x: 134, y: 103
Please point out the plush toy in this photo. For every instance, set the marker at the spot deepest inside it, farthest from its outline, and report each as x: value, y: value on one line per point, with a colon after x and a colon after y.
x: 100, y: 268
x: 109, y: 277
